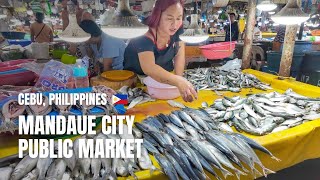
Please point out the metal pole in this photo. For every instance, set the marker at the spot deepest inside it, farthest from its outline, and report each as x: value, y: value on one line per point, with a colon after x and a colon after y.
x: 287, y: 51
x: 247, y: 48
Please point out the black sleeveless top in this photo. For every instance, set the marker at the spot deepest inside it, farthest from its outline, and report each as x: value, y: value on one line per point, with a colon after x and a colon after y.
x: 163, y: 57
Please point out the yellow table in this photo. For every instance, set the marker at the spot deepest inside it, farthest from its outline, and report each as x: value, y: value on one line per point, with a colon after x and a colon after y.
x: 291, y: 146
x: 268, y: 35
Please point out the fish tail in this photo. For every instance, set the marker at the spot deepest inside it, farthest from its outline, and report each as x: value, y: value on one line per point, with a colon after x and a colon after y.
x: 255, y: 171
x: 153, y: 168
x: 225, y: 173
x: 275, y: 158
x: 238, y: 173
x: 267, y: 171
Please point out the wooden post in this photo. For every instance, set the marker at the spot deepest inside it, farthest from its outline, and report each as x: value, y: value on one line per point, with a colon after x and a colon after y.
x: 251, y: 21
x: 288, y: 47
x: 287, y: 50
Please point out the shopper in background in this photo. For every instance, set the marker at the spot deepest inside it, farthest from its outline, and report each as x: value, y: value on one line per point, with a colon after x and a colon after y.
x: 109, y: 50
x: 256, y: 32
x: 80, y: 14
x: 160, y: 50
x: 40, y: 32
x: 234, y: 28
x: 278, y: 40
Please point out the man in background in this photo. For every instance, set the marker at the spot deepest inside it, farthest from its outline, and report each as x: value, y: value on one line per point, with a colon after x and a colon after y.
x: 234, y: 28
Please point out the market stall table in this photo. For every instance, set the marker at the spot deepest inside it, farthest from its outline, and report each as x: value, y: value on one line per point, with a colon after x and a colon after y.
x: 292, y: 146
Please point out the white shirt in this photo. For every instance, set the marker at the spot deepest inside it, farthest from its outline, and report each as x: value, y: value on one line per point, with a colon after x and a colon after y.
x: 256, y: 30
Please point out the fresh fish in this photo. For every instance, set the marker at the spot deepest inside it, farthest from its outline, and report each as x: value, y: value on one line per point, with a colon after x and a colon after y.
x: 95, y: 167
x: 159, y: 138
x: 164, y: 118
x: 223, y: 148
x: 135, y: 101
x: 175, y: 104
x: 145, y: 161
x: 199, y: 121
x: 204, y: 104
x: 136, y: 132
x: 121, y: 168
x: 249, y: 110
x: 256, y: 145
x: 43, y: 165
x: 184, y: 147
x: 167, y: 167
x: 206, y: 165
x: 176, y: 120
x: 5, y: 172
x: 222, y: 158
x: 185, y: 117
x: 311, y: 116
x: 182, y: 160
x: 176, y: 166
x: 57, y: 169
x: 191, y: 130
x: 33, y: 175
x: 224, y: 127
x: 208, y: 155
x: 179, y: 132
x: 24, y: 167
x: 279, y: 128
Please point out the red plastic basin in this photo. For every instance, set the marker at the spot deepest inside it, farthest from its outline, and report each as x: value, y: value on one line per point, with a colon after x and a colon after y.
x: 218, y: 50
x: 18, y: 79
x: 14, y: 64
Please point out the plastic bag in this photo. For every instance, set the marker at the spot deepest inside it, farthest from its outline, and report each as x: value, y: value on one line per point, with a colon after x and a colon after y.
x: 55, y: 76
x: 231, y: 65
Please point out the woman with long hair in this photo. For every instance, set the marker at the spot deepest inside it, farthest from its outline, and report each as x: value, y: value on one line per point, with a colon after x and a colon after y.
x: 160, y: 51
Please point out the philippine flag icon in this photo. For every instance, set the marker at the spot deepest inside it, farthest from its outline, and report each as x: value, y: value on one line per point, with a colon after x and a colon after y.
x: 120, y: 99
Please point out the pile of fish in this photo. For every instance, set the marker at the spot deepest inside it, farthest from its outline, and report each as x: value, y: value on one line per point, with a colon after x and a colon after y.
x: 135, y: 96
x: 10, y: 109
x: 260, y: 114
x: 79, y: 168
x: 219, y: 80
x: 187, y: 142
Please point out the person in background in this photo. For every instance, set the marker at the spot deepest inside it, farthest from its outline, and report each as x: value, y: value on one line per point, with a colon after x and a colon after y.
x: 278, y: 40
x: 212, y: 27
x: 160, y: 50
x: 40, y: 32
x: 234, y: 29
x: 109, y: 50
x: 256, y: 32
x: 80, y: 14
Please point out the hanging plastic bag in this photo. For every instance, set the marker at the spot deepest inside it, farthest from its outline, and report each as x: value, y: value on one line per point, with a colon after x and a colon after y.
x: 231, y: 65
x: 55, y: 76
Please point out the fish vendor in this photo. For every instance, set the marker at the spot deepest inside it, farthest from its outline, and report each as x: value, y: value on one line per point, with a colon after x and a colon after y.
x: 109, y: 50
x: 160, y: 50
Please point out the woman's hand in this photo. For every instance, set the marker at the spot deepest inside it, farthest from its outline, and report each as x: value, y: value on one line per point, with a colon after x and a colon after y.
x: 186, y: 89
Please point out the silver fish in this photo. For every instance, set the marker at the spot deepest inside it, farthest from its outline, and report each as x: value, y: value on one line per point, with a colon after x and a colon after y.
x: 175, y: 104
x: 5, y: 172
x: 33, y: 175
x: 135, y: 101
x: 95, y: 167
x: 43, y: 166
x: 57, y: 169
x: 179, y: 132
x: 24, y: 167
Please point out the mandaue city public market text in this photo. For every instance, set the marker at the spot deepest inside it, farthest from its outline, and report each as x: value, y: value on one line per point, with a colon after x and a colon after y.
x: 88, y: 148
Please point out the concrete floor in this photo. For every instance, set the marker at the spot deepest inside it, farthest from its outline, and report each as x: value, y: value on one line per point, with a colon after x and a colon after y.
x: 307, y: 170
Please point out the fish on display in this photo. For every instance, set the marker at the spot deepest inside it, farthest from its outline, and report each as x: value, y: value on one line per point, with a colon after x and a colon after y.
x: 261, y: 114
x: 135, y: 96
x: 219, y: 80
